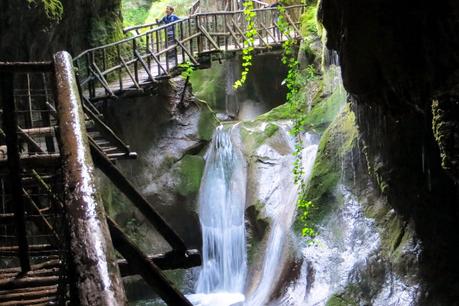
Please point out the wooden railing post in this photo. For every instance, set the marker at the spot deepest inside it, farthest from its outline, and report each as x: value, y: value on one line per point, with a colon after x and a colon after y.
x: 14, y: 169
x: 98, y: 279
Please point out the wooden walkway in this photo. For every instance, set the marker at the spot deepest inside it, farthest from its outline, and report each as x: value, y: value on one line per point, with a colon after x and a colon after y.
x: 154, y: 53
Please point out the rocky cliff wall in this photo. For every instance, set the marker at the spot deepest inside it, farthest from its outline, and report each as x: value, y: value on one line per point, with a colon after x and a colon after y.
x: 400, y: 64
x: 27, y: 34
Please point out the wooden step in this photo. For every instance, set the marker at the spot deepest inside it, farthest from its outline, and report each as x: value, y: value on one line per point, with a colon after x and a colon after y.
x: 33, y: 273
x: 52, y: 261
x: 28, y: 282
x: 39, y: 301
x: 35, y: 250
x: 27, y: 293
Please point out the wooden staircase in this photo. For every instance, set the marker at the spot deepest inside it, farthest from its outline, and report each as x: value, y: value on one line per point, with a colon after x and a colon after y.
x: 37, y: 206
x: 39, y: 286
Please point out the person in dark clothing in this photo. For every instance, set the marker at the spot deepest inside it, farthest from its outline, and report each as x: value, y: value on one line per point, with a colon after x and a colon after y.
x: 169, y: 18
x: 275, y: 14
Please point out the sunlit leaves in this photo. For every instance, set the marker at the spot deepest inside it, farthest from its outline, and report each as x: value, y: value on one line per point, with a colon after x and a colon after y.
x: 187, y: 69
x: 293, y: 82
x: 247, y: 51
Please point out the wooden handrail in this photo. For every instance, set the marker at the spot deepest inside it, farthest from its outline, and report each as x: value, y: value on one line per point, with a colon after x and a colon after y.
x: 154, y: 54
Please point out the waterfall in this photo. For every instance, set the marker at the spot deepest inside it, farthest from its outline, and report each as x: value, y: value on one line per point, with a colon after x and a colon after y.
x: 282, y: 217
x: 221, y: 204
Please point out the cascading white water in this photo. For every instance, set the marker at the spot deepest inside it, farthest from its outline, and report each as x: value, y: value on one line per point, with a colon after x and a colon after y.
x: 222, y: 203
x: 347, y: 241
x: 282, y: 217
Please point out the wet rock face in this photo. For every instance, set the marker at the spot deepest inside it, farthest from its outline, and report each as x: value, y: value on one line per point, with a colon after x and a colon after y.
x: 170, y: 138
x: 400, y: 64
x: 27, y: 34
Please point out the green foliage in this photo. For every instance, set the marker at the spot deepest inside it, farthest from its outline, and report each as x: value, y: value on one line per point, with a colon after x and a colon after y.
x: 187, y: 70
x: 53, y: 9
x: 294, y: 81
x: 134, y: 16
x: 309, y: 24
x: 189, y: 172
x: 247, y: 51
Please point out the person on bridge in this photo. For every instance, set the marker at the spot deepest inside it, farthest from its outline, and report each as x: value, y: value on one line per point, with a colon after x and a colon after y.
x: 169, y: 18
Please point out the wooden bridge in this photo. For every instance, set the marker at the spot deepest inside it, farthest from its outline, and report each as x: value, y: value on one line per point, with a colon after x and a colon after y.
x: 156, y: 52
x: 56, y: 242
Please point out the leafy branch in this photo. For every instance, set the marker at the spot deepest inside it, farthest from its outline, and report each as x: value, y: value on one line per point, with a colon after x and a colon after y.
x: 187, y: 70
x: 293, y: 82
x: 247, y: 51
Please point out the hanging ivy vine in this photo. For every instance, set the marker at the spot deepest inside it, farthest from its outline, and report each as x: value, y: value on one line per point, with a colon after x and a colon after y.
x: 294, y: 82
x: 247, y: 51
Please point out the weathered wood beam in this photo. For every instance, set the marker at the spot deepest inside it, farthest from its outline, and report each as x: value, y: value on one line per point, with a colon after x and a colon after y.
x: 34, y: 293
x: 24, y: 282
x: 37, y: 161
x: 142, y: 265
x: 43, y: 265
x: 14, y: 168
x: 139, y: 201
x: 98, y: 279
x: 167, y: 261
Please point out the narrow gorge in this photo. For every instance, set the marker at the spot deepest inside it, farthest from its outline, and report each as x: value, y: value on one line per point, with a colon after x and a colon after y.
x: 330, y: 177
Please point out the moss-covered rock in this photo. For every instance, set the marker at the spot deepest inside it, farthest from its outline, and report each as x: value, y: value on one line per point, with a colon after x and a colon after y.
x: 207, y: 122
x: 336, y: 143
x: 254, y: 134
x: 188, y: 172
x: 340, y: 300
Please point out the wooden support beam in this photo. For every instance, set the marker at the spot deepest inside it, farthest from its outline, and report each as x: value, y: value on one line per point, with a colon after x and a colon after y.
x: 37, y: 161
x: 142, y: 265
x: 34, y: 293
x: 168, y: 261
x: 147, y: 70
x: 42, y: 223
x: 30, y: 141
x: 195, y: 62
x: 129, y: 72
x: 156, y: 59
x: 105, y: 130
x: 24, y: 282
x: 99, y: 76
x: 10, y: 127
x: 43, y: 265
x: 207, y: 35
x: 98, y: 279
x: 128, y: 189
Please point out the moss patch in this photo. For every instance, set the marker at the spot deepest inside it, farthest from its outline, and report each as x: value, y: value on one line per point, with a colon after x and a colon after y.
x: 338, y: 300
x: 189, y: 173
x: 254, y: 136
x: 207, y: 122
x: 209, y: 85
x: 337, y: 141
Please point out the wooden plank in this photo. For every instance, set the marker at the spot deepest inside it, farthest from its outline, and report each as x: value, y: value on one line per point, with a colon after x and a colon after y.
x: 234, y: 36
x: 167, y: 261
x: 129, y: 73
x: 128, y: 189
x: 206, y: 34
x: 188, y: 53
x: 105, y: 130
x: 139, y: 57
x: 98, y: 74
x: 142, y: 265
